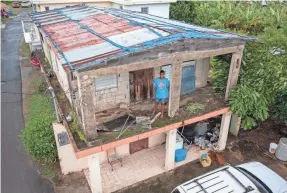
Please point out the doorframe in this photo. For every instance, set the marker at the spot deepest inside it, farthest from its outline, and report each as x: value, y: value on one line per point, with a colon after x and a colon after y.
x: 192, y: 62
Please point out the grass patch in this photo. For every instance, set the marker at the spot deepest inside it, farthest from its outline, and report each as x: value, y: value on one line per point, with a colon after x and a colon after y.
x: 38, y: 135
x: 161, y: 123
x: 25, y: 50
x: 5, y: 20
x: 107, y: 137
x: 75, y: 127
x: 194, y: 108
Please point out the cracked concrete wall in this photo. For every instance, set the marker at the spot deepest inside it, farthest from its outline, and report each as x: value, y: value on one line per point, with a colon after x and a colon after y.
x: 85, y: 90
x: 175, y: 86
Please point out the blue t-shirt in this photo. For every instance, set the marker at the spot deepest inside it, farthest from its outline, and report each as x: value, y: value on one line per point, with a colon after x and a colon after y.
x: 161, y: 88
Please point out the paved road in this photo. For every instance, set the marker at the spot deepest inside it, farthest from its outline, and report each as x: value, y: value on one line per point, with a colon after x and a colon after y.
x: 18, y: 174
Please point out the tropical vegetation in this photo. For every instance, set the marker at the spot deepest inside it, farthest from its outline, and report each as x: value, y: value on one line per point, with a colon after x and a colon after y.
x: 262, y: 87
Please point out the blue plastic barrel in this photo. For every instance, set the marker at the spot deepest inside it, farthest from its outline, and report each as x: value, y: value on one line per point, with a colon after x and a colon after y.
x: 180, y: 155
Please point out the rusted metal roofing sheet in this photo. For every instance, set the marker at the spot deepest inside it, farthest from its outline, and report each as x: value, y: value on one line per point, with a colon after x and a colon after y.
x: 79, y: 33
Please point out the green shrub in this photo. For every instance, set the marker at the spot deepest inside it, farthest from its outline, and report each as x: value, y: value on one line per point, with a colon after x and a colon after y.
x: 219, y: 73
x: 248, y: 104
x: 38, y: 135
x: 280, y: 107
x: 39, y: 140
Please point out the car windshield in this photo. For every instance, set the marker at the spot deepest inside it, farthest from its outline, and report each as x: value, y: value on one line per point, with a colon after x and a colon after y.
x: 263, y: 188
x: 175, y: 191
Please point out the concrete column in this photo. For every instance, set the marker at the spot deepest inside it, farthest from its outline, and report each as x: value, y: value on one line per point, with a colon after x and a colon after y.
x: 234, y: 71
x: 224, y: 128
x: 175, y: 85
x: 170, y: 149
x: 235, y: 124
x: 95, y: 173
x: 85, y: 85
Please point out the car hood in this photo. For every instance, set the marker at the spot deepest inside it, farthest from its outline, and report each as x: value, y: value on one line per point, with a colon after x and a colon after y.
x: 276, y: 183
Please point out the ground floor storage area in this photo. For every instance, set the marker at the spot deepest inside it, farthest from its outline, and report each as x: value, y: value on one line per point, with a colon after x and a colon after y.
x: 157, y: 154
x: 138, y: 166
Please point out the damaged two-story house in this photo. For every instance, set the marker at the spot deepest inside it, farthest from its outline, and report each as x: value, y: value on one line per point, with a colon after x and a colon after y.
x: 108, y: 59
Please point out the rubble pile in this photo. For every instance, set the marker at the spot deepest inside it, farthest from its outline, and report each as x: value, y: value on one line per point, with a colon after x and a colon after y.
x: 209, y: 139
x: 205, y: 134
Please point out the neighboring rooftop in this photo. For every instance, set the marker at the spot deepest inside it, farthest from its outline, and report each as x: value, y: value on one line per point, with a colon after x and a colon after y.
x: 122, y: 2
x: 85, y: 35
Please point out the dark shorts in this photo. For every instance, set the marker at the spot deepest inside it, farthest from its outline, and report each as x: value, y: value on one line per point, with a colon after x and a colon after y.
x: 161, y: 100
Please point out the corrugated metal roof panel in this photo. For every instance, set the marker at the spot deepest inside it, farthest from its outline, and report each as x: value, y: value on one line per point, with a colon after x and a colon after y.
x: 83, y: 32
x: 125, y: 39
x: 54, y: 21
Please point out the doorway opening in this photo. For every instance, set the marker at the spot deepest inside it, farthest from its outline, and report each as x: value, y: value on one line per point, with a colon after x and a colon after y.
x: 141, y: 85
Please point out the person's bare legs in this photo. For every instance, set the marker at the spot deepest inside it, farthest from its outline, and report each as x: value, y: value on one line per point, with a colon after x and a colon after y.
x: 155, y: 107
x: 162, y: 110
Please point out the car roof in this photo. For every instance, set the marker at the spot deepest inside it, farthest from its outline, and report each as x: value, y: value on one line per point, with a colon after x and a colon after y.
x: 223, y: 180
x: 267, y: 176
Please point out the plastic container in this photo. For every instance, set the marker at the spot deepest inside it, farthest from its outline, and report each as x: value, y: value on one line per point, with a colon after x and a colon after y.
x: 272, y: 147
x: 186, y: 146
x: 205, y: 162
x: 179, y: 142
x: 180, y: 155
x: 281, y: 151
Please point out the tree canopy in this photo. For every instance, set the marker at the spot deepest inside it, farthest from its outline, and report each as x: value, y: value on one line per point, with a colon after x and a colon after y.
x: 262, y: 85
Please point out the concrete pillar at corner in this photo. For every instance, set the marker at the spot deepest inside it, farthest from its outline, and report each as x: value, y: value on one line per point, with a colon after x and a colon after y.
x: 85, y: 85
x: 175, y: 84
x: 235, y: 124
x: 224, y: 128
x: 95, y: 173
x: 234, y: 71
x: 170, y: 149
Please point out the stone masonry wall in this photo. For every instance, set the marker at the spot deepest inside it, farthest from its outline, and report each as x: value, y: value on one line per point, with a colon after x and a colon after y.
x: 113, y: 97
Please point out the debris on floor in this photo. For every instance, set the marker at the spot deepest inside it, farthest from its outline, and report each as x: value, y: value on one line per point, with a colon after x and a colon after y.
x: 204, y: 134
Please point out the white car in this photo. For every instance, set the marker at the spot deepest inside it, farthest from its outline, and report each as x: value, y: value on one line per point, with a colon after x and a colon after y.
x: 252, y: 177
x: 26, y: 4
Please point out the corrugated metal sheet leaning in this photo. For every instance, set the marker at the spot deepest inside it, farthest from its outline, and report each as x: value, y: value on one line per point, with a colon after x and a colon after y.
x: 82, y: 32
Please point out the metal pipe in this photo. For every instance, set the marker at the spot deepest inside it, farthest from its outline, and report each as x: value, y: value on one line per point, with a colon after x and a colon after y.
x: 55, y: 103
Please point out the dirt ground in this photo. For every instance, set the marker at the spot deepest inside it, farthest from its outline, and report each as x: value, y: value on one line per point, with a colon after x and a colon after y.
x: 249, y: 146
x: 75, y: 183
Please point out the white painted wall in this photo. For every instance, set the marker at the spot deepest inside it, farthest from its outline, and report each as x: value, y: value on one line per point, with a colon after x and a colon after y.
x: 61, y: 5
x: 64, y: 81
x: 68, y: 161
x: 156, y: 140
x: 161, y: 10
x: 46, y: 48
x: 59, y: 70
